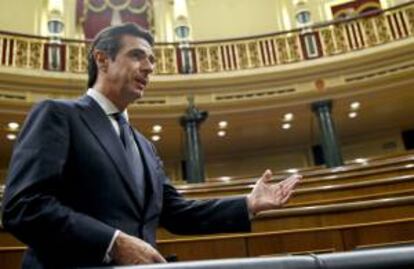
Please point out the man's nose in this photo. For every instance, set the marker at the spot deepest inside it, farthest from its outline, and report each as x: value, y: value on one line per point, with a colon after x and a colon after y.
x: 147, y: 66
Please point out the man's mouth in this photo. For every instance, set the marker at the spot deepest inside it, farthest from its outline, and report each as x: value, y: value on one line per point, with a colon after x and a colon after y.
x: 142, y: 82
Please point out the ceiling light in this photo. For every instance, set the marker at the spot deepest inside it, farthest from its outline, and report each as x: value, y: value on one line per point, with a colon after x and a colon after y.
x: 13, y: 126
x: 11, y: 136
x: 355, y: 105
x: 222, y: 124
x: 157, y: 128
x: 225, y: 178
x: 155, y: 138
x: 292, y: 171
x: 299, y: 2
x: 288, y: 117
x: 221, y: 133
x: 286, y: 126
x: 352, y: 115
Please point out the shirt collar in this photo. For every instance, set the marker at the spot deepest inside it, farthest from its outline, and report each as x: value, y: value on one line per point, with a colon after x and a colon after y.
x: 107, y: 106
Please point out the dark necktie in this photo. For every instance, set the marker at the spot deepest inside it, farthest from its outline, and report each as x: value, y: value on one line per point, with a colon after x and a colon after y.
x: 133, y: 157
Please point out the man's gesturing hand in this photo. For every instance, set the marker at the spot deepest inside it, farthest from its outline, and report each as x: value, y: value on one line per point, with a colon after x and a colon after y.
x: 129, y: 250
x: 266, y: 195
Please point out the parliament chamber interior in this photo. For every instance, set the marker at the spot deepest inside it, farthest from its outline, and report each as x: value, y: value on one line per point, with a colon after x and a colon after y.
x: 321, y: 88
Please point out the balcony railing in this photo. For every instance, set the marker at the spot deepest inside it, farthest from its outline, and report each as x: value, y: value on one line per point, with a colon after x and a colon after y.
x: 317, y: 41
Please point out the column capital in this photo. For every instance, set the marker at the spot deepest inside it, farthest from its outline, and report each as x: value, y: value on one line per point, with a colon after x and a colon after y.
x: 322, y: 104
x: 192, y: 114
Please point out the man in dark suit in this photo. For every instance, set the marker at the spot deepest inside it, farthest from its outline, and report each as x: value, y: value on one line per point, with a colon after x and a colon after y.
x: 85, y: 189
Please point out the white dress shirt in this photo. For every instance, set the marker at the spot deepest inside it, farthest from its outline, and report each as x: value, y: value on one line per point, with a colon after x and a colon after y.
x: 107, y: 106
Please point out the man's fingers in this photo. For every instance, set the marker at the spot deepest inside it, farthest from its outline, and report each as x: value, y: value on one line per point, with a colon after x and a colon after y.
x: 158, y: 258
x: 149, y: 256
x: 294, y: 177
x: 283, y: 190
x: 266, y: 195
x: 288, y: 183
x: 291, y: 181
x: 129, y: 250
x: 286, y: 197
x: 267, y: 176
x: 152, y: 255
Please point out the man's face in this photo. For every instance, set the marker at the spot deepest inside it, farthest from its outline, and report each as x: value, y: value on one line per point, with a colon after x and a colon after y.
x: 128, y: 73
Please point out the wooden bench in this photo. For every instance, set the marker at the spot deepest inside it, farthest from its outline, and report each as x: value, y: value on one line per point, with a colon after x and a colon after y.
x: 322, y: 216
x: 307, y: 229
x: 404, y: 166
x: 341, y: 193
x: 298, y: 241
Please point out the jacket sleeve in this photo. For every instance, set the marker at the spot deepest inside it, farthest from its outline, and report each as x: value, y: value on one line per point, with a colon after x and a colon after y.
x: 31, y: 208
x: 183, y: 216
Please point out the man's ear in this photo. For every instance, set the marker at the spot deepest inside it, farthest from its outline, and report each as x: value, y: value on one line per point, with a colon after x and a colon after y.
x: 101, y: 59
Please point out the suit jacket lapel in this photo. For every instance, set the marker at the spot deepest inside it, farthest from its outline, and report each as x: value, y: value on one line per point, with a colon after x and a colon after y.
x: 102, y: 129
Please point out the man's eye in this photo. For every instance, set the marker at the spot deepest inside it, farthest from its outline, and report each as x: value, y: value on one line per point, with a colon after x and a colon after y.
x: 138, y: 55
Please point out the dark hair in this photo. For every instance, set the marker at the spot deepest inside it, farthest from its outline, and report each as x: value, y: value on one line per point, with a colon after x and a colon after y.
x: 109, y: 41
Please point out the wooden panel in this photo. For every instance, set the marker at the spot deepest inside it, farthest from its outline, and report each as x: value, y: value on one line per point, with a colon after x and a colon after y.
x: 10, y: 258
x: 353, y: 198
x: 11, y: 251
x: 313, y: 240
x: 373, y: 164
x: 353, y: 189
x: 379, y: 235
x: 205, y: 249
x: 343, y: 217
x: 295, y: 242
x: 8, y: 240
x: 352, y: 213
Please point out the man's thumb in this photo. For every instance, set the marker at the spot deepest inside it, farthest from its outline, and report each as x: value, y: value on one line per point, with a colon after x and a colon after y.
x: 267, y: 176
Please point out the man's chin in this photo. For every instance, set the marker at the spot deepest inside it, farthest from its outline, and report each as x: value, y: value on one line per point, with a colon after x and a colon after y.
x: 138, y: 94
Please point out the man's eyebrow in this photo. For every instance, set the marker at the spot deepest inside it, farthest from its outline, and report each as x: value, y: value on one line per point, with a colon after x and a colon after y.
x: 136, y: 50
x: 141, y: 51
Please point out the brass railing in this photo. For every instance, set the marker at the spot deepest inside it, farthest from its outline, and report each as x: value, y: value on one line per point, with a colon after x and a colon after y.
x: 323, y: 40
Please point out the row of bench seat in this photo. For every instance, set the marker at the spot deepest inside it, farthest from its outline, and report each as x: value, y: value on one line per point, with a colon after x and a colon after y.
x: 354, y: 207
x: 357, y: 206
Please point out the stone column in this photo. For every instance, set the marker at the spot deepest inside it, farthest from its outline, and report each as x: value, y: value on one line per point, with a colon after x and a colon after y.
x: 194, y: 163
x: 330, y: 145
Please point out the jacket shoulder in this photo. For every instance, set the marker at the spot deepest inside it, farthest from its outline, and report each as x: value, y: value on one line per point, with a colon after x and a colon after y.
x: 54, y: 105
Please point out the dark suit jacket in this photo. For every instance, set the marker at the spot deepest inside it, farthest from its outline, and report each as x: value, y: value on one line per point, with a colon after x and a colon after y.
x: 69, y: 188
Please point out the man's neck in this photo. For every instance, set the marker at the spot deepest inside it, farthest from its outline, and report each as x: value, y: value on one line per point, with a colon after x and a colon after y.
x: 108, y: 93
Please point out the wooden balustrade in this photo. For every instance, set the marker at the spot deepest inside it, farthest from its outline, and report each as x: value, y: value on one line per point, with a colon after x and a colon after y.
x: 316, y: 41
